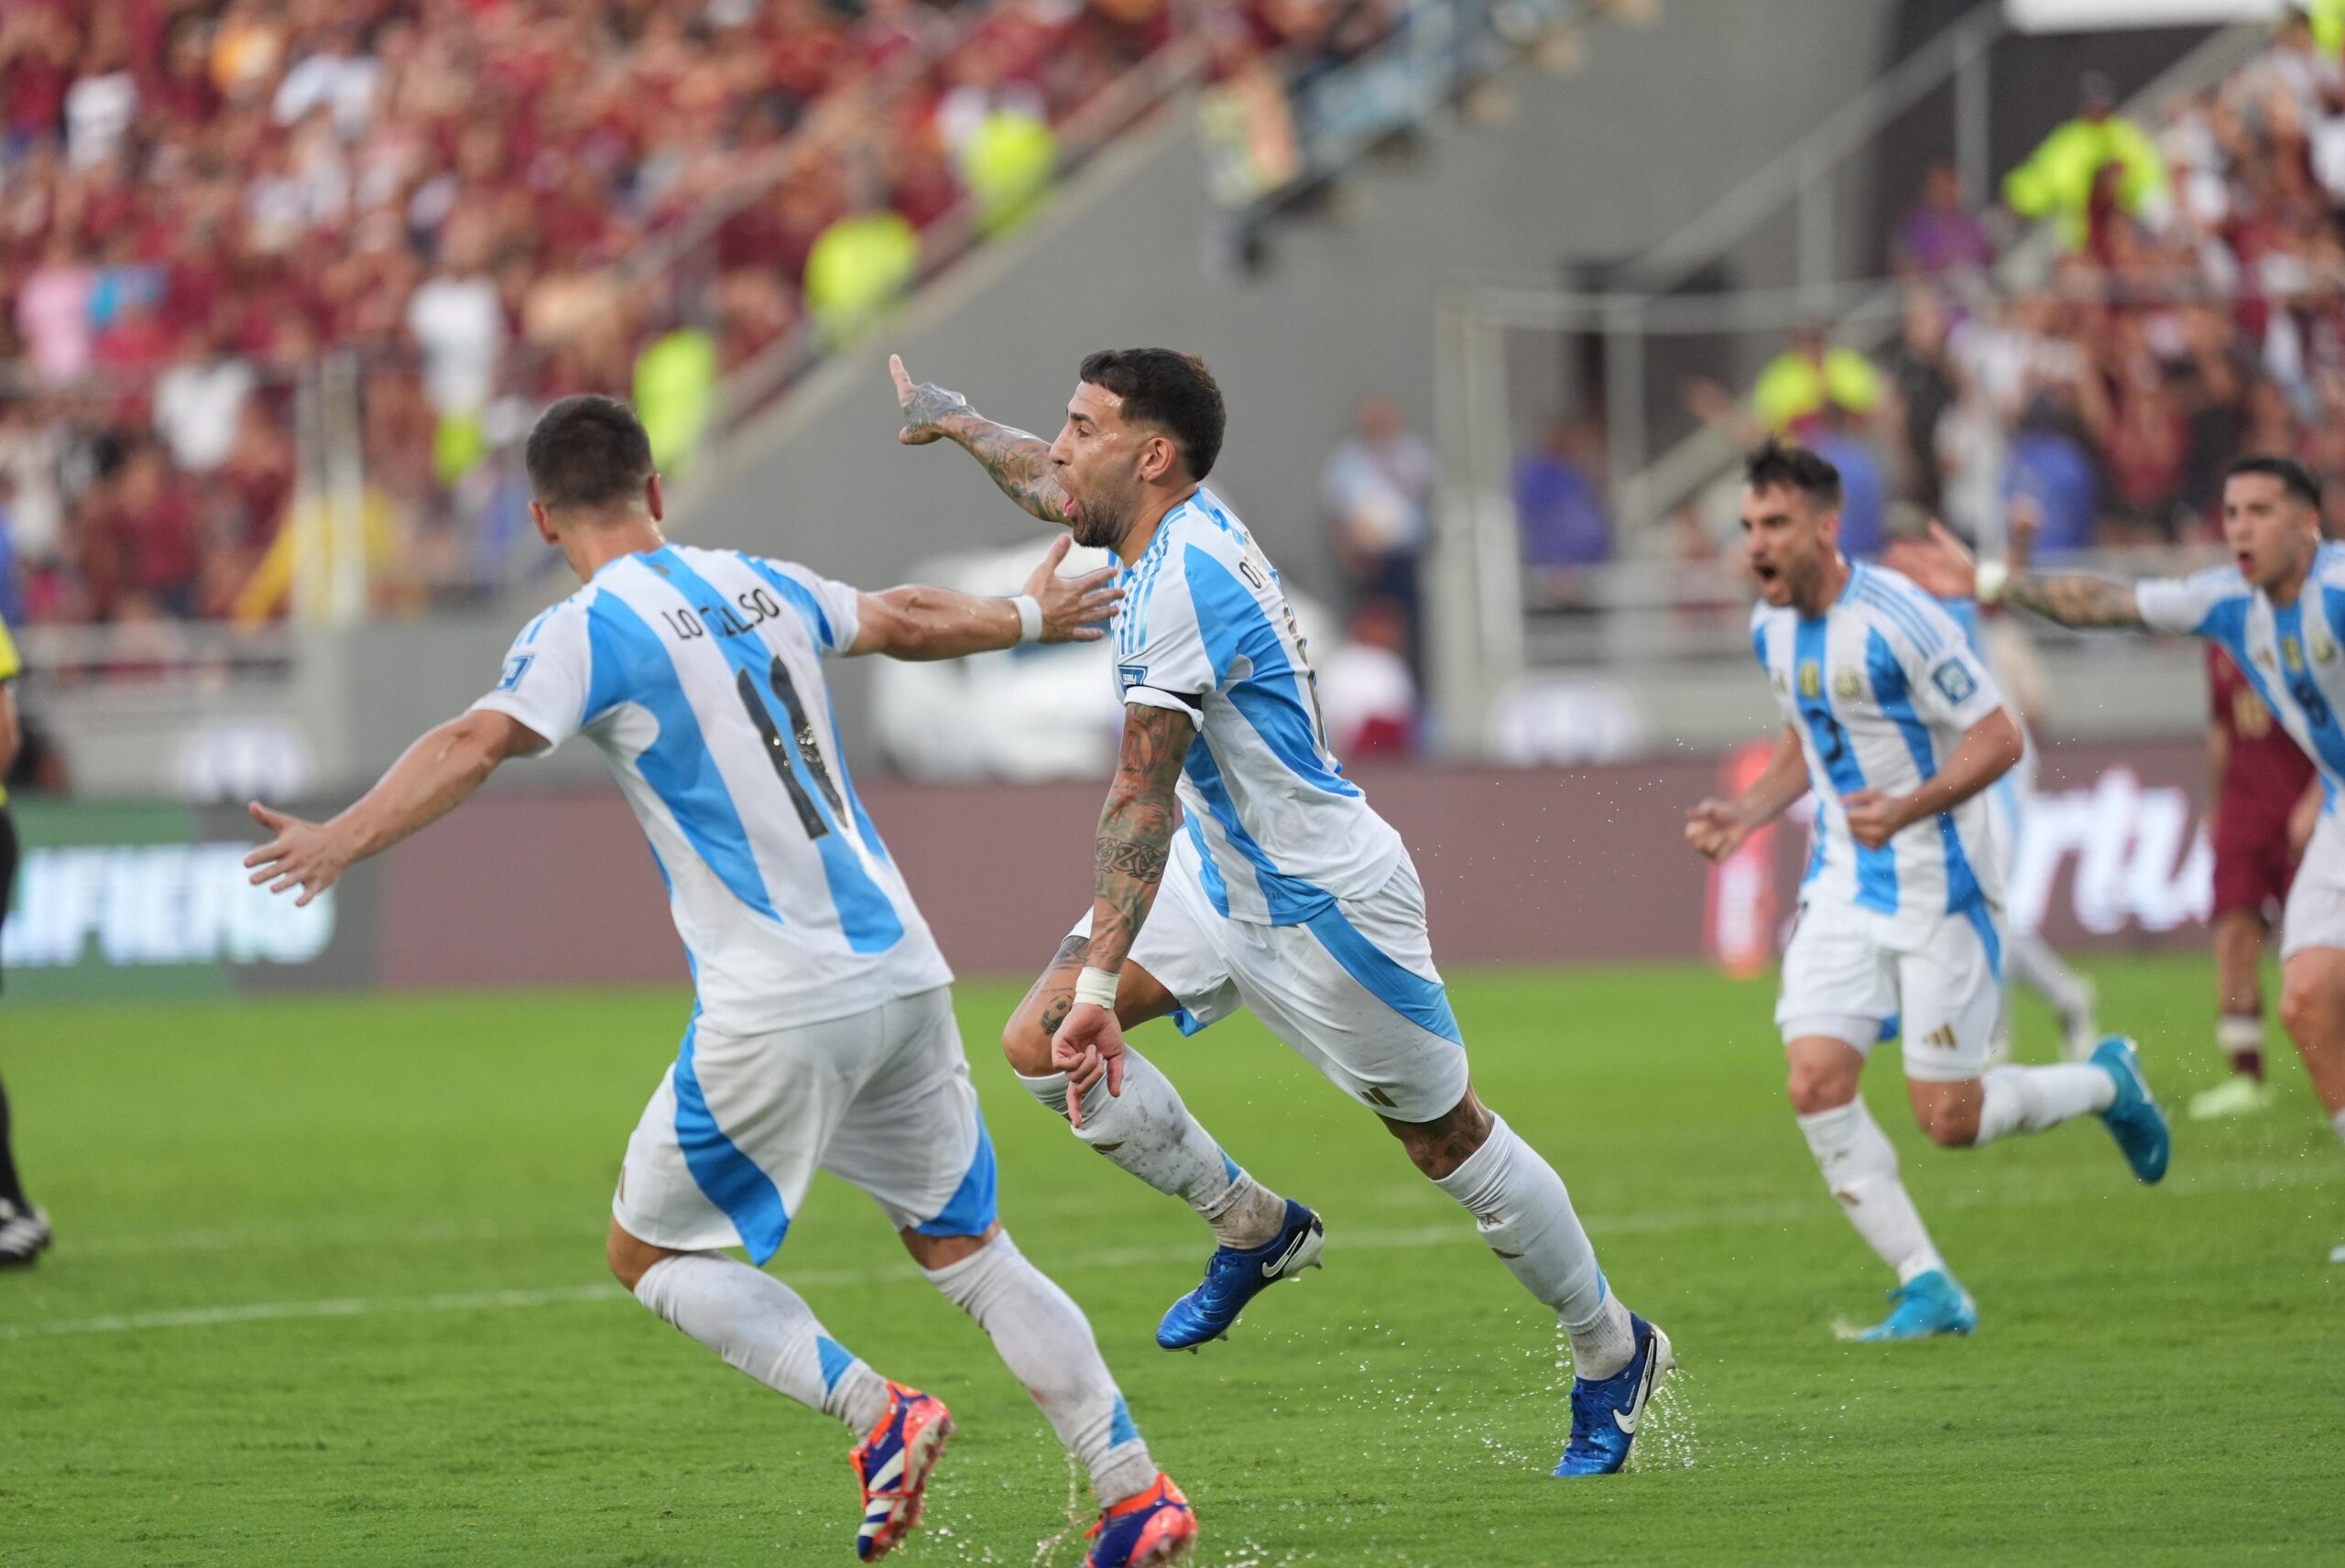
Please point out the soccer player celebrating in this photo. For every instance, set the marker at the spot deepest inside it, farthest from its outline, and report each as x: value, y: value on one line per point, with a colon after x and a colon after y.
x: 2278, y: 610
x: 2265, y: 803
x: 1283, y: 892
x: 24, y: 1229
x: 1898, y: 730
x: 822, y: 1034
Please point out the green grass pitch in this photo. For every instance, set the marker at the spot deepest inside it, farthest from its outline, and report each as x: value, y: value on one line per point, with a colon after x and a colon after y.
x: 328, y: 1290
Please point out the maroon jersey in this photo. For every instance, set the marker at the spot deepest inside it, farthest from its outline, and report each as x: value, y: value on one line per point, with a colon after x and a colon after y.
x: 2262, y: 781
x: 2266, y: 774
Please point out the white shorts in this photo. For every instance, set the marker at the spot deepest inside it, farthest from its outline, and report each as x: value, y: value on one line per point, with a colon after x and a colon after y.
x: 1353, y: 990
x: 734, y: 1134
x: 1842, y: 981
x: 2315, y: 915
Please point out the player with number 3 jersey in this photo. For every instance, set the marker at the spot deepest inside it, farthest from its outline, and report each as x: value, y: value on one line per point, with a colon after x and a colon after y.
x: 1898, y: 730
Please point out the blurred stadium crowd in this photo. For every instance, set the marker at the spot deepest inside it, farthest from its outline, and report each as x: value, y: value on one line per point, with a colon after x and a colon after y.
x: 2193, y: 311
x: 198, y: 197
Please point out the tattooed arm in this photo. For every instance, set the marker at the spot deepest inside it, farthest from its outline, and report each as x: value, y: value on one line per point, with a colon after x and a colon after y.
x: 2074, y: 600
x: 1020, y: 462
x: 1136, y: 828
x: 1942, y: 565
x: 1128, y: 854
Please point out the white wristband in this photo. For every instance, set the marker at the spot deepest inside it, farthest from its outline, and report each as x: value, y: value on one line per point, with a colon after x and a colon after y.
x: 1096, y: 986
x: 1993, y: 578
x: 1029, y: 618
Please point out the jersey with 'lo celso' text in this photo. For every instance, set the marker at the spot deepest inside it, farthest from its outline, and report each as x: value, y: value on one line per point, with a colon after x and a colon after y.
x: 697, y: 674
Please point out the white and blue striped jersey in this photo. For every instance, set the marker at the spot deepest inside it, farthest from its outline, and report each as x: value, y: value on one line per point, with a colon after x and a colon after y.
x: 1204, y: 629
x: 2289, y: 653
x: 697, y: 674
x: 1880, y: 689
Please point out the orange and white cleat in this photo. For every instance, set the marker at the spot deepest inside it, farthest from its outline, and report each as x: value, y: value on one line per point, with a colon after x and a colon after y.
x: 893, y: 1464
x: 1156, y: 1526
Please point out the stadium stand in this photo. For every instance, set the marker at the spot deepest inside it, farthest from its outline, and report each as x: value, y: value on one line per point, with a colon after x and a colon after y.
x: 2191, y: 314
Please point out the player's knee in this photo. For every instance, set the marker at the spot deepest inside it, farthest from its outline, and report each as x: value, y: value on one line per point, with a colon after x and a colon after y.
x: 1814, y: 1087
x: 2305, y: 1010
x: 1026, y: 1045
x: 1439, y: 1148
x: 1954, y: 1125
x: 630, y: 1258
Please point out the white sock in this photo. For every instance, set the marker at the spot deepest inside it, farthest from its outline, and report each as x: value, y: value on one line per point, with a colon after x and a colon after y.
x: 1046, y: 1343
x: 1525, y: 1216
x: 2032, y: 1099
x: 2237, y: 1032
x: 1149, y: 1132
x: 762, y: 1326
x: 1861, y: 1168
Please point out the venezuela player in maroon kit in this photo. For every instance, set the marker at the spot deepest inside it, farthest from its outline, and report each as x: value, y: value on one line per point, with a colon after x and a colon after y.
x: 2264, y: 802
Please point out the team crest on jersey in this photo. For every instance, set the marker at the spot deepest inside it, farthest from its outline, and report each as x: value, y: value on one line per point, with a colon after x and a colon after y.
x: 1130, y: 675
x: 1846, y: 686
x: 515, y: 667
x: 2292, y: 654
x: 1954, y: 683
x: 2323, y: 650
x: 1811, y: 681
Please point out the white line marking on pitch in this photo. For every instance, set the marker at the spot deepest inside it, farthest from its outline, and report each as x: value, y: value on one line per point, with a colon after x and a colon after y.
x: 2250, y: 1177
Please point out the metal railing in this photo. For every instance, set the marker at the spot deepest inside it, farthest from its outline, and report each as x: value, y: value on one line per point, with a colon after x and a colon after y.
x: 1647, y: 483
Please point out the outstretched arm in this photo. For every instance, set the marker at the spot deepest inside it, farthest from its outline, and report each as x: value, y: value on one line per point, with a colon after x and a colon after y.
x: 434, y: 777
x: 1020, y: 462
x: 1716, y: 828
x: 1134, y: 840
x: 1942, y: 564
x: 918, y: 622
x: 2074, y: 599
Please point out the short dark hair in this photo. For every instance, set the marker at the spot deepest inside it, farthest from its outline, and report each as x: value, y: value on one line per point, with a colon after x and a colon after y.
x: 1779, y: 462
x: 1165, y: 387
x: 2298, y: 484
x: 588, y: 451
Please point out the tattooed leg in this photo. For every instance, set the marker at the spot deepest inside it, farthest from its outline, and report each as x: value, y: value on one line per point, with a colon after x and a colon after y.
x: 1525, y: 1216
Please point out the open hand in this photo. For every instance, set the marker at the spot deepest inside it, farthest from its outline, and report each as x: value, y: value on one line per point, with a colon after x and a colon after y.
x: 1075, y: 609
x: 1939, y: 563
x: 1715, y: 828
x: 1089, y: 1045
x: 304, y: 854
x: 1874, y: 818
x: 925, y: 407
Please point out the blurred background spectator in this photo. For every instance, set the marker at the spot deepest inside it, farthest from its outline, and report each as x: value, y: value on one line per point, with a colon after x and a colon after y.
x: 1377, y: 494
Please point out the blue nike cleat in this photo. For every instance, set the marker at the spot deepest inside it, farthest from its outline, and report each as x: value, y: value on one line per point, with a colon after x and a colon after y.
x: 1928, y: 1305
x: 1605, y: 1413
x: 2133, y: 1118
x: 1234, y: 1278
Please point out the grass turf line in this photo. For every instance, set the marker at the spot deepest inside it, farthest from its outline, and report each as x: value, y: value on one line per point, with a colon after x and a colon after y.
x: 414, y: 1190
